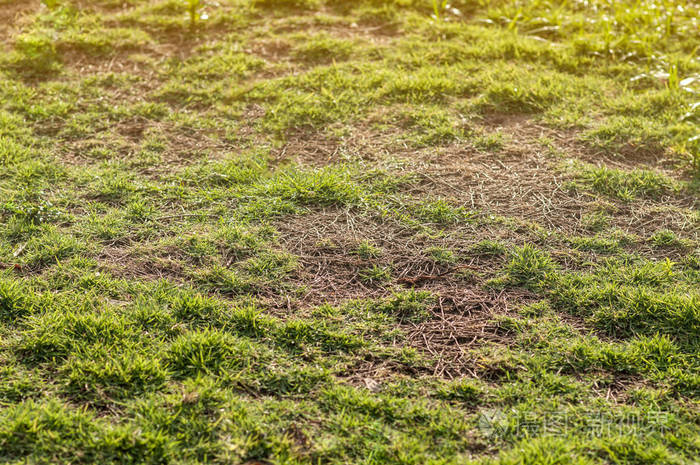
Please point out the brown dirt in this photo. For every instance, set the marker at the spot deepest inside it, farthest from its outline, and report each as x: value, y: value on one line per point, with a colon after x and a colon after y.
x: 122, y: 262
x: 461, y: 317
x: 461, y: 320
x: 11, y: 14
x: 325, y: 241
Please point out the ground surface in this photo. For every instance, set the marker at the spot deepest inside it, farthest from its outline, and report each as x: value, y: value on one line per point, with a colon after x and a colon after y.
x: 336, y: 231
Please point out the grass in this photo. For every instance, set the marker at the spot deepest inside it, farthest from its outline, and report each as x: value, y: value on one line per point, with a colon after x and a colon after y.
x: 321, y: 231
x: 627, y: 185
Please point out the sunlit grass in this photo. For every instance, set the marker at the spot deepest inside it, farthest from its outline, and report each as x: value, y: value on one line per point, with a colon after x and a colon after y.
x: 333, y: 231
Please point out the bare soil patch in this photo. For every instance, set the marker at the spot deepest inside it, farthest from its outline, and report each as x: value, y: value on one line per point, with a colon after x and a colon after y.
x: 330, y: 268
x: 11, y: 14
x: 462, y: 319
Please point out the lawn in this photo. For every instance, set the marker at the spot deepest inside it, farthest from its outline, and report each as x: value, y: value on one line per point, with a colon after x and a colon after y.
x: 349, y: 232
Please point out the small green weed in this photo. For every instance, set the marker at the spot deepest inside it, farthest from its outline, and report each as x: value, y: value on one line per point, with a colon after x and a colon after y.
x: 195, y: 11
x: 529, y: 267
x: 51, y: 4
x: 375, y: 275
x: 367, y: 250
x: 439, y: 7
x: 489, y: 247
x: 667, y: 238
x: 441, y: 255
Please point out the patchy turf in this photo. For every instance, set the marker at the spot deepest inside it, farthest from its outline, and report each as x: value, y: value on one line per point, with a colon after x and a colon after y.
x: 324, y: 231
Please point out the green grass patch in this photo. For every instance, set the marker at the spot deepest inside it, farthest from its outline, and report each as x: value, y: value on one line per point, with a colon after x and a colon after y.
x: 323, y: 231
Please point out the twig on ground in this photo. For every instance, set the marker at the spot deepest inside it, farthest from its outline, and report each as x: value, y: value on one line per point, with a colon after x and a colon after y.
x: 188, y: 215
